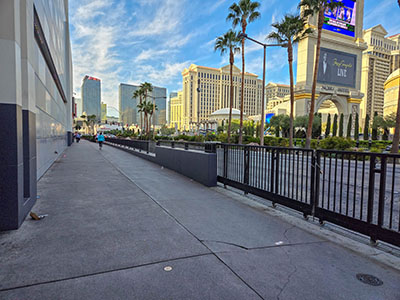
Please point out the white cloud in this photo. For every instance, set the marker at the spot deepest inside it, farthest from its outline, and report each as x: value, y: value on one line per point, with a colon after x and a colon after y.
x: 166, y: 19
x: 150, y: 54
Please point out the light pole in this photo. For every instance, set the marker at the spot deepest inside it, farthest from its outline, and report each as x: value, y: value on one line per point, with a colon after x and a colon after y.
x: 198, y: 106
x: 245, y: 36
x: 154, y: 99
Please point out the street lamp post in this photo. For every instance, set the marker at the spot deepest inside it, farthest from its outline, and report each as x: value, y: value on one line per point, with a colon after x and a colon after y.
x: 198, y: 106
x: 245, y: 36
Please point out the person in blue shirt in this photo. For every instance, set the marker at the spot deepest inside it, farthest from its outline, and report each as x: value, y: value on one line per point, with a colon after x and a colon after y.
x: 100, y: 139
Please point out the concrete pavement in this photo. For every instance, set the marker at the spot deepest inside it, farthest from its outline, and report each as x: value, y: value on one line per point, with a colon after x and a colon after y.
x: 116, y: 221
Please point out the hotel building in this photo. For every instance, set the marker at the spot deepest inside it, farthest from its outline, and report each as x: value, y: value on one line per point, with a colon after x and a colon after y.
x: 376, y: 68
x: 176, y: 104
x: 206, y: 90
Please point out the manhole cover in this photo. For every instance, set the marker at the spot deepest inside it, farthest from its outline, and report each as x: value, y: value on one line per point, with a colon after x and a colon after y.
x: 369, y: 279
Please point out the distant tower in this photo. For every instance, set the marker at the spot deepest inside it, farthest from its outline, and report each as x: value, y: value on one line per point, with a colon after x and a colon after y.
x: 91, y: 96
x: 339, y: 75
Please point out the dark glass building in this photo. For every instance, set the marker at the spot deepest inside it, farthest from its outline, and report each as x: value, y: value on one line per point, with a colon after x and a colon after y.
x: 91, y: 96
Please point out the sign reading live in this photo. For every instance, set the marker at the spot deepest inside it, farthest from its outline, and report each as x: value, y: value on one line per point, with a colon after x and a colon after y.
x: 337, y: 68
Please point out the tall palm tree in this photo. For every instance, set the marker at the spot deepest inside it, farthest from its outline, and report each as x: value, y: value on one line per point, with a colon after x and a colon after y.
x: 290, y: 31
x: 315, y: 8
x: 142, y: 109
x: 244, y: 12
x: 153, y: 107
x: 229, y: 42
x: 147, y: 87
x: 139, y: 93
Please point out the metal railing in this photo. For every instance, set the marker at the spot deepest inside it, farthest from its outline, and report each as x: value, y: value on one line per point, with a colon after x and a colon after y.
x: 133, y: 144
x: 359, y: 191
x: 206, y: 147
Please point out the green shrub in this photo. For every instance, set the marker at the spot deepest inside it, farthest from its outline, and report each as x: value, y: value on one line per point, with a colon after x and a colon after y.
x: 336, y: 143
x: 375, y: 150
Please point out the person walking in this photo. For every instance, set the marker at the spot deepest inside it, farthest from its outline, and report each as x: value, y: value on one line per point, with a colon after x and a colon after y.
x: 78, y: 137
x: 100, y: 139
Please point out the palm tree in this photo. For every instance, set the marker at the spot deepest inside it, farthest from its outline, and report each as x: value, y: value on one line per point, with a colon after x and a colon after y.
x: 229, y: 42
x: 312, y: 8
x: 243, y: 13
x: 289, y: 31
x: 152, y: 108
x: 89, y: 121
x: 147, y: 88
x: 139, y: 93
x: 142, y: 109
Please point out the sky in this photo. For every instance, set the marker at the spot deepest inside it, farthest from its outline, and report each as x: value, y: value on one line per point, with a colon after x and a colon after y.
x: 133, y: 41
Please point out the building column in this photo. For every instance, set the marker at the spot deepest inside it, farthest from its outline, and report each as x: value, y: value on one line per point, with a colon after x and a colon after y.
x: 11, y: 124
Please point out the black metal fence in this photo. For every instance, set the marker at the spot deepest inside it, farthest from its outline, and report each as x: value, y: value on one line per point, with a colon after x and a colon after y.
x: 206, y: 147
x: 355, y: 190
x: 133, y: 144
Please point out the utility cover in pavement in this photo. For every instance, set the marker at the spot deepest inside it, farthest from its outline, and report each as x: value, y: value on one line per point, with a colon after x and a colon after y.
x: 369, y: 279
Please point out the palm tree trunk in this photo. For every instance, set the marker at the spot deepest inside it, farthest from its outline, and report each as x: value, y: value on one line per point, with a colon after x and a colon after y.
x: 396, y: 137
x: 141, y: 115
x: 290, y: 58
x: 314, y: 86
x: 231, y: 61
x: 242, y: 93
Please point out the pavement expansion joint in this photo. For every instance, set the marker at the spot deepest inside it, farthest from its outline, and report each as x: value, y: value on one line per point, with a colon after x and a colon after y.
x: 276, y: 245
x: 105, y: 271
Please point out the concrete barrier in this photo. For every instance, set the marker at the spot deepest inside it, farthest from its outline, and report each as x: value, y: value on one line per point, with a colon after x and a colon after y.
x: 197, y: 165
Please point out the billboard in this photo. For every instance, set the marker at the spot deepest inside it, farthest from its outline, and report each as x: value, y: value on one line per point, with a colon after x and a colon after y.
x: 342, y: 19
x: 337, y: 68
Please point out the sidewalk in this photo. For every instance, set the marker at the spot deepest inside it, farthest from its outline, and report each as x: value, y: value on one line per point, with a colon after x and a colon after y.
x: 116, y: 221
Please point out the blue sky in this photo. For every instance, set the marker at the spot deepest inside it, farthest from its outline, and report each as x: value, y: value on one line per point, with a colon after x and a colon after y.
x: 133, y: 41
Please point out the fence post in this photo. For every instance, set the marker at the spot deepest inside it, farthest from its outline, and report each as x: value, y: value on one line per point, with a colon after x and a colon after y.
x: 277, y: 158
x: 246, y: 168
x: 148, y: 146
x: 371, y: 190
x: 272, y: 160
x: 225, y: 162
x: 315, y: 180
x: 382, y: 188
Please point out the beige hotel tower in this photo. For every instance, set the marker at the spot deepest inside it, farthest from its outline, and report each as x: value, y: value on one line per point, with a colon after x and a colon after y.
x: 206, y: 90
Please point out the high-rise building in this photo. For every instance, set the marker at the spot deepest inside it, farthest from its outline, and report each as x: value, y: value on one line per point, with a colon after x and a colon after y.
x: 159, y: 97
x: 171, y: 95
x: 376, y: 65
x: 103, y: 112
x: 276, y: 90
x: 127, y: 104
x: 78, y: 107
x: 91, y: 96
x: 212, y: 87
x: 128, y: 111
x: 35, y: 100
x: 176, y: 103
x: 395, y: 58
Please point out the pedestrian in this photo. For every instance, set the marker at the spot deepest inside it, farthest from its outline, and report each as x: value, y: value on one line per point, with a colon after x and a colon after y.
x: 100, y: 139
x: 78, y: 137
